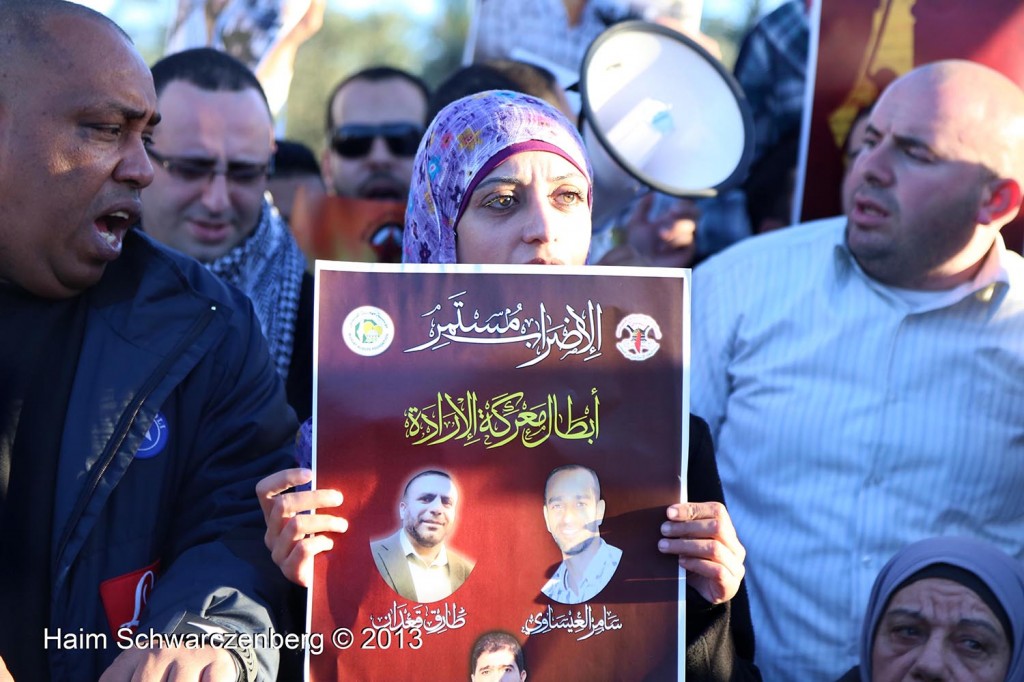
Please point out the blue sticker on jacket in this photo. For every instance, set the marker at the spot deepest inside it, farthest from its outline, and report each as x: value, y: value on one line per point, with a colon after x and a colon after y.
x: 155, y: 439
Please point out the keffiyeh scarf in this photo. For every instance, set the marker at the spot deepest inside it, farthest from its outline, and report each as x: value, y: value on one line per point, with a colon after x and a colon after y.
x: 268, y: 268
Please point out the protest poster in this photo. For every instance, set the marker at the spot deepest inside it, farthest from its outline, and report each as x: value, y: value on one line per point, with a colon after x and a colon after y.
x: 496, y: 376
x: 860, y: 47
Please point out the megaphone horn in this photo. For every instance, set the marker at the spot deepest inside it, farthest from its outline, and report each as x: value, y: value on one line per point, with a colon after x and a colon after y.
x: 666, y: 110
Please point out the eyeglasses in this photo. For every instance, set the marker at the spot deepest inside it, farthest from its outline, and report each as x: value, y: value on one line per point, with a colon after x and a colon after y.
x: 191, y: 169
x: 355, y: 141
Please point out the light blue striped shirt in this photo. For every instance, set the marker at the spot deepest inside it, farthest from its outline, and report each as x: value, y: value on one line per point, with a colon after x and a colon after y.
x: 848, y: 425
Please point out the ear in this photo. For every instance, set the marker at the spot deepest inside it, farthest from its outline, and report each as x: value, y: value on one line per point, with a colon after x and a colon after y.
x: 547, y: 523
x: 1000, y: 202
x: 599, y: 508
x: 325, y: 170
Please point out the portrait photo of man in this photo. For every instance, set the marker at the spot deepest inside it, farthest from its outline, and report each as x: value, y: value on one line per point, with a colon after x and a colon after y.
x: 497, y: 657
x: 573, y: 512
x: 416, y: 561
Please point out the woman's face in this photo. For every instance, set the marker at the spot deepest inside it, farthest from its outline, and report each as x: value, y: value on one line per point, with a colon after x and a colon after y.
x: 938, y: 629
x: 532, y: 208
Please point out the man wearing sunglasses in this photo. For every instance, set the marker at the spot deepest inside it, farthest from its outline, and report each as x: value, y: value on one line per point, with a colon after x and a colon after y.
x: 375, y: 119
x: 211, y: 158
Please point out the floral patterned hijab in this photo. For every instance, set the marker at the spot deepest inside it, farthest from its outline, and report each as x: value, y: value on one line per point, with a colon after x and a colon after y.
x: 465, y: 142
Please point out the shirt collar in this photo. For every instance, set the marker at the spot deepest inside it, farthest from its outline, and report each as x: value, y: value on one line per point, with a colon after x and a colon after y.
x: 989, y: 284
x: 561, y: 574
x: 440, y: 560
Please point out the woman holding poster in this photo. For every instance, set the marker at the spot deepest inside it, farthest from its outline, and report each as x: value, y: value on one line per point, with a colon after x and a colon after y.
x: 502, y: 177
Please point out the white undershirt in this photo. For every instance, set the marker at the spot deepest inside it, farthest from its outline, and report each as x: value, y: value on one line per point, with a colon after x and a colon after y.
x: 432, y: 581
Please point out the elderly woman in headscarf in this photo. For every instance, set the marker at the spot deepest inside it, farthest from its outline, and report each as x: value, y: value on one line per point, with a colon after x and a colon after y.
x: 502, y: 177
x: 945, y: 608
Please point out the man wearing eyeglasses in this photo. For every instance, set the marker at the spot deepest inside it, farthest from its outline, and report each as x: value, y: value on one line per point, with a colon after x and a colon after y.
x: 375, y: 119
x: 211, y: 159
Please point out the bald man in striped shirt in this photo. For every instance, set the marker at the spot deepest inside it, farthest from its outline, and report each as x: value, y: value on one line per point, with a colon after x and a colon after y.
x: 862, y: 374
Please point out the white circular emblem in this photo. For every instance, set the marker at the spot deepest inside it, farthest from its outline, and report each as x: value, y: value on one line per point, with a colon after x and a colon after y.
x: 638, y: 337
x: 368, y: 331
x: 155, y: 440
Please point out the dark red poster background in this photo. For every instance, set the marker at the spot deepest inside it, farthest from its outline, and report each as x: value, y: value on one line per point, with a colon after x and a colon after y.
x: 363, y: 450
x: 864, y: 44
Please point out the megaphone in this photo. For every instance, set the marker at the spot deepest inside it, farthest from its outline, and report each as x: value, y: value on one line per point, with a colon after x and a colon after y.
x: 665, y: 110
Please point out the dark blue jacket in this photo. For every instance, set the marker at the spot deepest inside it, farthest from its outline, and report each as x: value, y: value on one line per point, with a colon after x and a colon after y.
x: 175, y: 413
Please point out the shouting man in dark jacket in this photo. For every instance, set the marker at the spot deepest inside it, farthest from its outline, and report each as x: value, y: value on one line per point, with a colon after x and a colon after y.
x: 138, y: 402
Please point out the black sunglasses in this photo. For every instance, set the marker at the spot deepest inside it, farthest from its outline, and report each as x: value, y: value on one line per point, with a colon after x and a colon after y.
x: 354, y: 141
x: 191, y: 169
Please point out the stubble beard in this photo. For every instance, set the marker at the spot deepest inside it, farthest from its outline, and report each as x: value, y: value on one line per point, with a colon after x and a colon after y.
x: 896, y: 261
x: 577, y: 548
x: 428, y: 542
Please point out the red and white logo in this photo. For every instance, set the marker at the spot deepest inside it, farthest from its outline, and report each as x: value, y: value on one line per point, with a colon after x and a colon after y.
x: 125, y: 596
x: 639, y: 335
